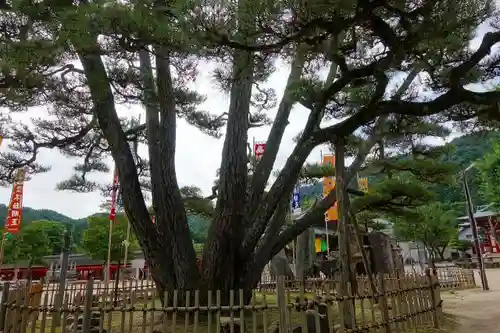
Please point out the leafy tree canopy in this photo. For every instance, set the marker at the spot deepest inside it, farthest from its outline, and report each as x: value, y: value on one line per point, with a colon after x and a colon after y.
x: 148, y: 52
x: 469, y: 148
x: 34, y: 241
x: 432, y: 225
x: 95, y: 238
x: 489, y: 171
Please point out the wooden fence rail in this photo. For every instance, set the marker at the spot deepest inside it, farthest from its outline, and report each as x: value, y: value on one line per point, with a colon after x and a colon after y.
x: 400, y: 304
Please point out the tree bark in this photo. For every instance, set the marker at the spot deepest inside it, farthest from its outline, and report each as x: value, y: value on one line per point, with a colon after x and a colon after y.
x: 344, y: 239
x: 164, y: 274
x: 221, y: 265
x: 171, y: 217
x: 265, y: 165
x: 135, y: 207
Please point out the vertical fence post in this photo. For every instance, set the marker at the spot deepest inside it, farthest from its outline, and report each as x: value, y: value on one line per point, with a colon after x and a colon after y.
x: 3, y: 304
x: 87, y: 305
x: 472, y: 278
x: 282, y: 306
x: 436, y: 300
x: 384, y: 309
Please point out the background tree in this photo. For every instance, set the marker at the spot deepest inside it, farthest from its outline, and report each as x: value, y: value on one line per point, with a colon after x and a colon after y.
x: 462, y: 245
x: 31, y: 243
x: 54, y: 232
x: 431, y: 225
x: 95, y: 238
x: 362, y: 46
x: 489, y: 170
x: 469, y: 148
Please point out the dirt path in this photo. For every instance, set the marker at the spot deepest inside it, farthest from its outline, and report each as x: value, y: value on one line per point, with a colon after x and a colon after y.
x: 476, y: 310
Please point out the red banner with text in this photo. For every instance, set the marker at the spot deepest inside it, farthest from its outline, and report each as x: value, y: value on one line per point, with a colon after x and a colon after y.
x: 259, y: 149
x: 114, y: 195
x: 15, y: 211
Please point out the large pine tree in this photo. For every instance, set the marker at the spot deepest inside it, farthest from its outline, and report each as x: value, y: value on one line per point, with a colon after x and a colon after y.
x: 81, y: 59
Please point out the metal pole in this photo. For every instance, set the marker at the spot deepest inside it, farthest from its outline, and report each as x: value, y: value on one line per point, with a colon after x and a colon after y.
x: 473, y: 224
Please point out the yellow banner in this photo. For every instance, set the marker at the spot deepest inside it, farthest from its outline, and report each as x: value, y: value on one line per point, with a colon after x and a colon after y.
x: 328, y: 186
x: 317, y: 245
x: 363, y: 184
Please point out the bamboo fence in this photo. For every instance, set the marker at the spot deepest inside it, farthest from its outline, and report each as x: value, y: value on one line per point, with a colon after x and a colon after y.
x: 405, y: 303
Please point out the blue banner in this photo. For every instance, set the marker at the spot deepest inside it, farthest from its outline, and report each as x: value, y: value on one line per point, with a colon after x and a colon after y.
x: 296, y: 198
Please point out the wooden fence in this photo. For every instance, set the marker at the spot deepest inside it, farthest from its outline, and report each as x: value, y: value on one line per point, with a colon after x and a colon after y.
x: 456, y: 278
x: 448, y: 277
x: 400, y: 304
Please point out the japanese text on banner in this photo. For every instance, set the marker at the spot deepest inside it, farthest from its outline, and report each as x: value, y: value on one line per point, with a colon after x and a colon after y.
x: 15, y: 211
x: 363, y: 184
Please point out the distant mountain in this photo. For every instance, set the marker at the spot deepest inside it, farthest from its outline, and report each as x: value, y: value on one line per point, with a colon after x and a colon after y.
x: 30, y: 215
x: 311, y: 191
x: 468, y: 149
x: 197, y: 224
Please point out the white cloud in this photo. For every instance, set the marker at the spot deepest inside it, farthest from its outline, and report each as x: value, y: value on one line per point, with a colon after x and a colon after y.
x: 197, y: 158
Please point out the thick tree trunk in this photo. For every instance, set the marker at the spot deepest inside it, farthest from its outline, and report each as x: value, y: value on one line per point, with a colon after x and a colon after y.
x: 171, y: 217
x: 221, y: 265
x: 344, y: 239
x: 135, y: 207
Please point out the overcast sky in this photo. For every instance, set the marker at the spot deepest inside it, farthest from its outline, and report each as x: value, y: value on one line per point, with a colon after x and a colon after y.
x: 197, y: 158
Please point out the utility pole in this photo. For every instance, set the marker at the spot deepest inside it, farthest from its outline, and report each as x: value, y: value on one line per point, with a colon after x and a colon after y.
x: 473, y: 224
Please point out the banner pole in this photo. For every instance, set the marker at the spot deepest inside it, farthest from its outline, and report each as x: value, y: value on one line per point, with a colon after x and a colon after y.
x: 112, y: 216
x: 135, y: 153
x: 326, y: 219
x: 2, y: 246
x: 125, y: 256
x: 108, y: 261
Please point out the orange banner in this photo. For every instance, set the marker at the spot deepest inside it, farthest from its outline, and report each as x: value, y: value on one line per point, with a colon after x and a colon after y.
x: 328, y: 186
x: 15, y: 211
x: 363, y: 184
